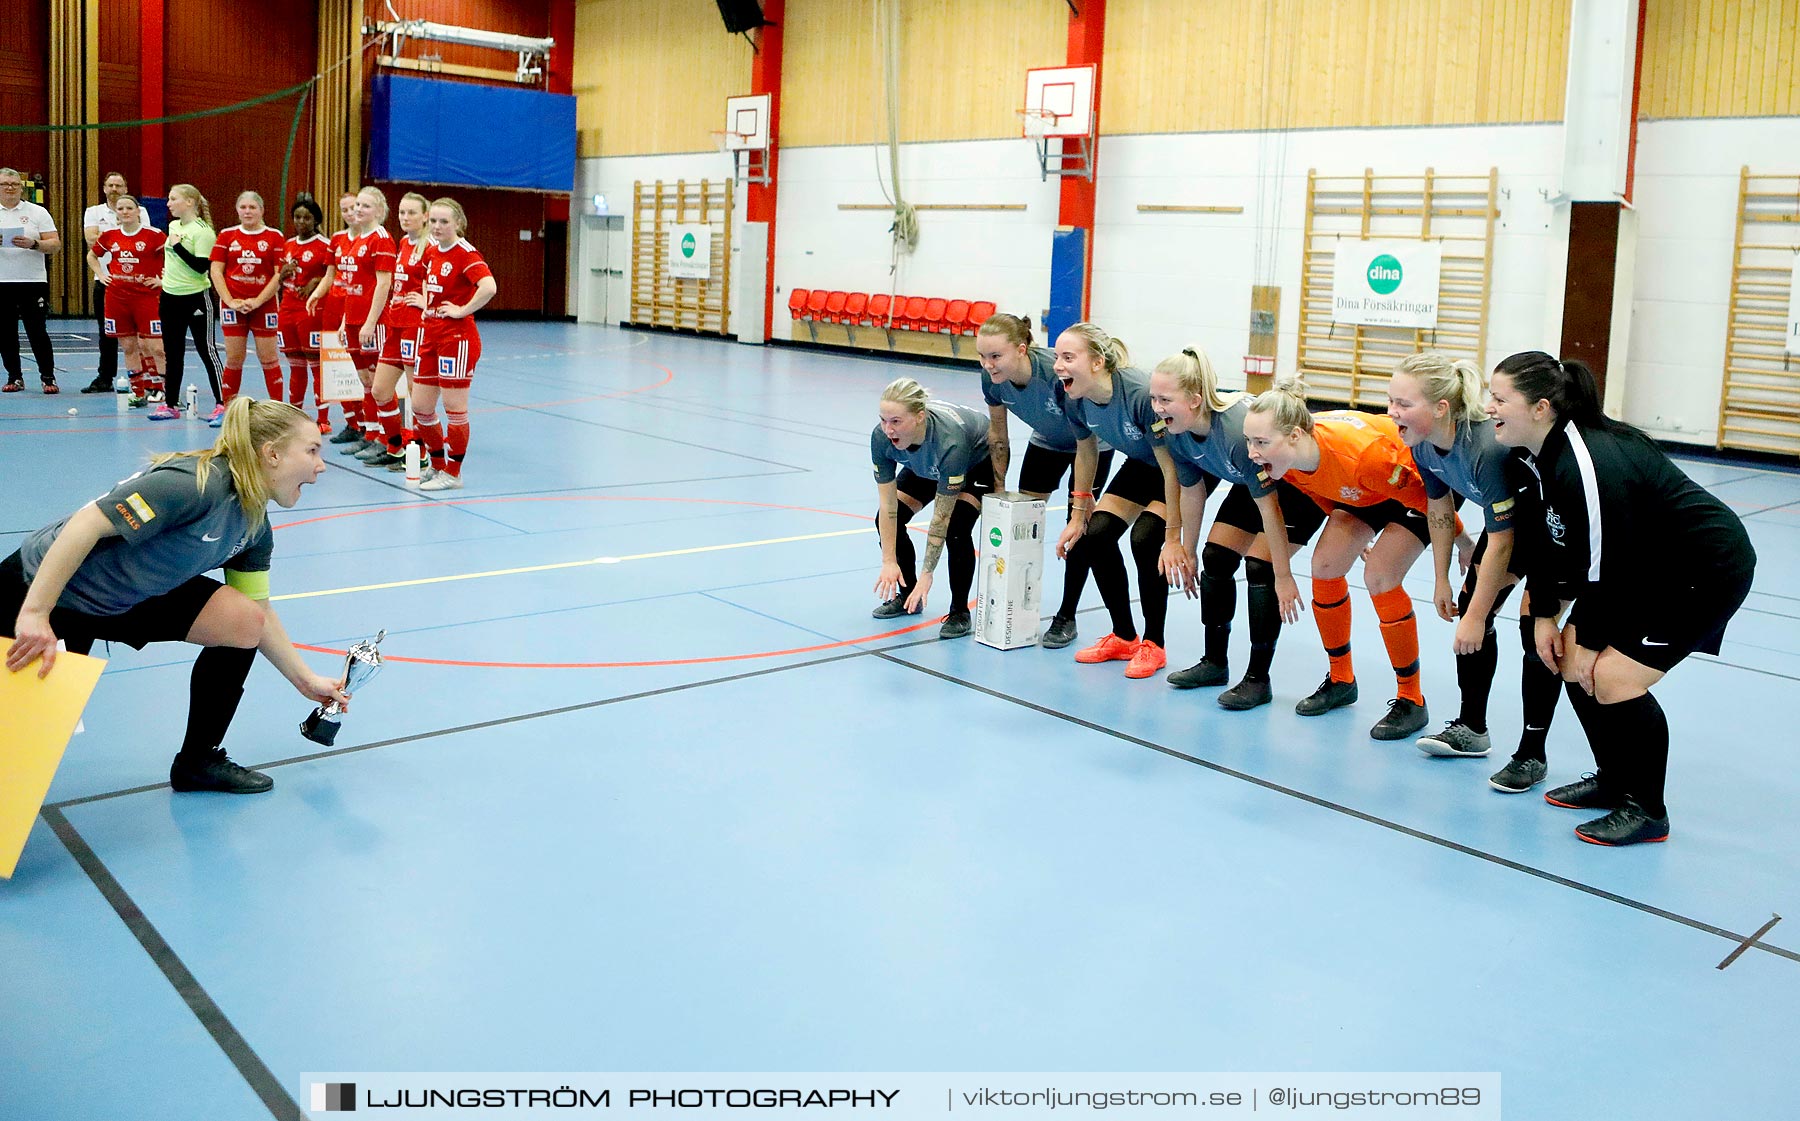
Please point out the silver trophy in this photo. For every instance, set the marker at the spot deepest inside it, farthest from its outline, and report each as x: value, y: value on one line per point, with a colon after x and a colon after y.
x: 361, y: 662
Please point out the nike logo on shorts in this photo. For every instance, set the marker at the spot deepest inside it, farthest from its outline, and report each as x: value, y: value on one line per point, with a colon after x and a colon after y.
x: 1653, y: 642
x: 209, y: 536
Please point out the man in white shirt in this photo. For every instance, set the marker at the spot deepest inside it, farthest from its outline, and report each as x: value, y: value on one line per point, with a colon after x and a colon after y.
x: 97, y: 220
x: 27, y: 236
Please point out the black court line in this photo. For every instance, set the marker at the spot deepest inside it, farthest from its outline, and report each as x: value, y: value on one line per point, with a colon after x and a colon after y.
x: 1750, y: 941
x: 1335, y: 807
x: 654, y: 436
x: 762, y: 425
x: 500, y: 721
x: 254, y: 1071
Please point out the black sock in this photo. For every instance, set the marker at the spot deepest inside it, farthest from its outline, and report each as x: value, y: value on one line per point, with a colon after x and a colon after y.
x: 1075, y: 575
x: 1153, y: 590
x: 1600, y: 732
x: 1218, y: 599
x: 1265, y: 617
x: 959, y: 543
x: 1475, y: 672
x: 214, y: 689
x: 1641, y: 750
x: 1538, y: 691
x: 903, y: 546
x: 1100, y: 544
x: 1475, y: 678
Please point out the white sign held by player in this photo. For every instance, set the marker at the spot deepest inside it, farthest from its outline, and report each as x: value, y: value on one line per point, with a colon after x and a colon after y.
x: 690, y: 251
x: 1386, y: 283
x: 337, y: 375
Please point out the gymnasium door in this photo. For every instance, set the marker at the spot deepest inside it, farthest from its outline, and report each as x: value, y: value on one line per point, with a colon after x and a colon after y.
x: 605, y: 250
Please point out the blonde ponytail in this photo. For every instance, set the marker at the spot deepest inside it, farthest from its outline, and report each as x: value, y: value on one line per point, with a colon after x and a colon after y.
x: 248, y: 425
x: 1110, y: 351
x: 1193, y: 373
x: 1286, y: 405
x: 1457, y: 381
x: 907, y: 392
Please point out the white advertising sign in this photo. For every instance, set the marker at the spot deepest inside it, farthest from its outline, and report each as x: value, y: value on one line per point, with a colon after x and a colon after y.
x: 1386, y: 283
x: 690, y: 251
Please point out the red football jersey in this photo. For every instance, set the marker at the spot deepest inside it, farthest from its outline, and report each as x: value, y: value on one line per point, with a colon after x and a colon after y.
x: 250, y: 259
x: 311, y: 255
x: 450, y: 278
x: 409, y: 276
x: 357, y: 260
x: 138, y: 254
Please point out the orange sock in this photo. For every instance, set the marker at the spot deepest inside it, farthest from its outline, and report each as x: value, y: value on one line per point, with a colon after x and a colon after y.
x: 1331, y: 610
x: 1400, y: 630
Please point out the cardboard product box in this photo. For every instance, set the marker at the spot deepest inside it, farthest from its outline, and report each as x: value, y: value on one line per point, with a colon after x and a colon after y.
x: 1009, y: 578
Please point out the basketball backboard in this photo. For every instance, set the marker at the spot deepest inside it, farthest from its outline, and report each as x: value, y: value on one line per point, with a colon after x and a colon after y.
x: 747, y: 122
x: 1061, y: 98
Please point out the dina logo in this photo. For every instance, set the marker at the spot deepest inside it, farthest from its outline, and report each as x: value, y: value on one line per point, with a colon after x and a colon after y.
x: 996, y: 537
x: 687, y: 245
x: 1384, y: 274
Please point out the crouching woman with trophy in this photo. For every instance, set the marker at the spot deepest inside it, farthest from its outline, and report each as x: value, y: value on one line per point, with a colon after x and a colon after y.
x: 128, y: 567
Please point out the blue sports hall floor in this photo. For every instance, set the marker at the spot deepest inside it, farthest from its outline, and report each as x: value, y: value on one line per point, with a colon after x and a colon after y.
x: 644, y: 788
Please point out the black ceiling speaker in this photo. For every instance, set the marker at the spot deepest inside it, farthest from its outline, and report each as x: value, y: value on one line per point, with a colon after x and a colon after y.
x: 741, y: 16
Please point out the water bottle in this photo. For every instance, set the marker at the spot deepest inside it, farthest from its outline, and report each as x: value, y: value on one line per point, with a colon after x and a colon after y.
x: 191, y: 398
x: 122, y: 384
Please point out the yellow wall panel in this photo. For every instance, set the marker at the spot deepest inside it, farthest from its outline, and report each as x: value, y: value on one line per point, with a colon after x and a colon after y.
x: 962, y: 68
x: 1210, y: 65
x: 652, y: 76
x: 1720, y: 58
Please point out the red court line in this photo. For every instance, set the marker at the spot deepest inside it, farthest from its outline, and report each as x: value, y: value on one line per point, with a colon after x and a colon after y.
x: 641, y: 665
x: 606, y: 665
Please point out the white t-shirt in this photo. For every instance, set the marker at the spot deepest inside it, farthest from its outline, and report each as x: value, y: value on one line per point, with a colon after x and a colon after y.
x: 102, y: 217
x: 25, y: 266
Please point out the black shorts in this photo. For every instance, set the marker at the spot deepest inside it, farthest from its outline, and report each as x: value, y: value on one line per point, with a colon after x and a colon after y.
x: 1302, y: 515
x: 1692, y: 623
x: 980, y: 481
x: 1137, y: 482
x: 164, y: 618
x: 1392, y: 512
x: 1042, y: 470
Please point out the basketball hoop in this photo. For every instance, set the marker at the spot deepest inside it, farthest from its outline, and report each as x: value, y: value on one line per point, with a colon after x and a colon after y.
x: 1038, y: 123
x: 729, y: 141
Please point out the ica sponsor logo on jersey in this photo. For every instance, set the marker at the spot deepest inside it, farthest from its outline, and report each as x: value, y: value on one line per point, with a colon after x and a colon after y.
x: 1133, y: 432
x: 1350, y: 494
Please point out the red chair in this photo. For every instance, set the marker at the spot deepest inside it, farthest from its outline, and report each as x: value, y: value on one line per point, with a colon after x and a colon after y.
x: 855, y: 308
x: 914, y: 315
x: 978, y: 314
x: 933, y: 319
x: 878, y: 310
x: 797, y: 302
x: 956, y: 317
x: 815, y: 305
x: 834, y: 307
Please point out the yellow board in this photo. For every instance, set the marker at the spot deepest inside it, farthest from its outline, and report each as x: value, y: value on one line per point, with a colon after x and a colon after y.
x: 37, y: 717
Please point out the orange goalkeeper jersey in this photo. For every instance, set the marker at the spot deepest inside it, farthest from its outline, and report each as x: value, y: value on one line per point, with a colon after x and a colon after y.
x: 1362, y: 461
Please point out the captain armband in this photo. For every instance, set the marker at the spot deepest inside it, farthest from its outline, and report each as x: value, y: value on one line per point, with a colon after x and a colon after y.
x: 253, y: 584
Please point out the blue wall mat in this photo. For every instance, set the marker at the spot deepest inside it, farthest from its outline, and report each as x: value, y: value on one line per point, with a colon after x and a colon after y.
x: 428, y: 131
x: 1068, y: 276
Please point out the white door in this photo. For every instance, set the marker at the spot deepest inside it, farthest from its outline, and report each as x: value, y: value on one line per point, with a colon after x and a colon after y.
x: 605, y: 251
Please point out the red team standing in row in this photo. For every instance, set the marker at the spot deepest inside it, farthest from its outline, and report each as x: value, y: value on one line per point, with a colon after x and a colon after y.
x: 395, y: 307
